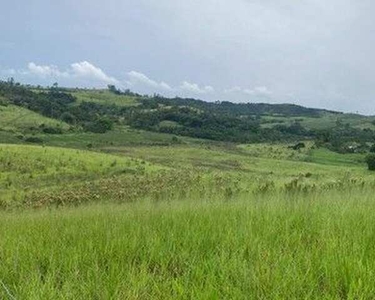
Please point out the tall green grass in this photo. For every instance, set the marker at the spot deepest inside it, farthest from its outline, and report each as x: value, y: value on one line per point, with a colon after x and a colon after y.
x: 275, y: 246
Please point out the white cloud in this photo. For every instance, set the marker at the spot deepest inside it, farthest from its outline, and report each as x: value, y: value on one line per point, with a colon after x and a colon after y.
x: 140, y: 80
x: 87, y: 70
x: 45, y: 71
x: 86, y: 73
x: 80, y: 70
x: 165, y: 86
x: 196, y: 89
x: 257, y: 91
x: 137, y: 78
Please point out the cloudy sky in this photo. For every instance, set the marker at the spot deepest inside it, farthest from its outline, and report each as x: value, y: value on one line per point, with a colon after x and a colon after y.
x: 317, y: 53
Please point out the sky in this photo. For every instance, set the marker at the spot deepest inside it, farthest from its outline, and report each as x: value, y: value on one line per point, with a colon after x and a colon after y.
x: 316, y: 53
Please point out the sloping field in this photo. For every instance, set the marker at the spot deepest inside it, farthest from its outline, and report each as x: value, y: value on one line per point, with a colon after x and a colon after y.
x: 28, y: 168
x: 17, y: 119
x: 104, y: 97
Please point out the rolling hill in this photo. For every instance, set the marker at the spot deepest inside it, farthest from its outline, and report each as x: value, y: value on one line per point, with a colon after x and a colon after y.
x: 107, y: 194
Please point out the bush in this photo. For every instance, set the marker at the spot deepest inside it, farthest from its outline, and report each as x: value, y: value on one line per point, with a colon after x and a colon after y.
x: 298, y: 146
x: 370, y: 160
x: 52, y: 130
x: 34, y: 139
x: 99, y: 126
x: 68, y: 118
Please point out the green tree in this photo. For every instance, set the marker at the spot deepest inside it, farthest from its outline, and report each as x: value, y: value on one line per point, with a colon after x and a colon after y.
x: 68, y: 118
x: 100, y: 125
x: 370, y: 160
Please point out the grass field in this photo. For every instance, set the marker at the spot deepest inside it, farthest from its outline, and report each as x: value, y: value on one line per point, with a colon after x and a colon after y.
x: 28, y: 169
x: 17, y: 119
x: 317, y: 246
x: 325, y: 121
x: 121, y: 136
x: 184, y: 221
x: 131, y: 214
x: 104, y: 97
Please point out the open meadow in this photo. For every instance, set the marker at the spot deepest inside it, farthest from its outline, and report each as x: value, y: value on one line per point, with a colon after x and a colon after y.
x: 187, y: 150
x: 93, y: 211
x: 273, y: 246
x: 192, y: 222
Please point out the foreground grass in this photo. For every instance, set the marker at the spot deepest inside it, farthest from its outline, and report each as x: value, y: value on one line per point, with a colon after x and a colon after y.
x: 273, y: 247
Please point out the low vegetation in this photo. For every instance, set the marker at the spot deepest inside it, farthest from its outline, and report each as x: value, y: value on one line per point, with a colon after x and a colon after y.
x: 108, y: 194
x: 270, y: 247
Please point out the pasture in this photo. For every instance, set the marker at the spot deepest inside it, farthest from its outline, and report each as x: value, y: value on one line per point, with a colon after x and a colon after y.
x: 132, y: 214
x: 273, y: 246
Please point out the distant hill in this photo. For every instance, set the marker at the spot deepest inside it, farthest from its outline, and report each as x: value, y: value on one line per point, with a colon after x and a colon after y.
x: 56, y: 110
x: 241, y: 109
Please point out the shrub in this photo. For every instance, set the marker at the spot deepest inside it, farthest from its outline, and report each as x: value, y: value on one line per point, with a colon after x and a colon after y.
x: 52, y: 130
x: 101, y: 125
x: 298, y: 146
x: 34, y: 139
x: 68, y: 118
x: 370, y: 160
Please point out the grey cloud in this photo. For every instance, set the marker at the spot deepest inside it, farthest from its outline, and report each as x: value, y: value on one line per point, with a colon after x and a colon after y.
x: 314, y: 52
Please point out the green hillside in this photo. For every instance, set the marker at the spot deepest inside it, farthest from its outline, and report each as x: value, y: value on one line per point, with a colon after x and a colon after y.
x: 107, y: 194
x: 104, y: 97
x: 100, y: 111
x: 18, y: 119
x: 29, y: 170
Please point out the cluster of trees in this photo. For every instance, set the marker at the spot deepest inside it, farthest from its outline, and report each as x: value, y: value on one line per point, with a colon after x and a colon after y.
x: 227, y: 121
x: 196, y: 124
x: 113, y: 89
x: 223, y: 121
x: 345, y: 139
x: 235, y: 109
x: 57, y: 104
x: 209, y: 125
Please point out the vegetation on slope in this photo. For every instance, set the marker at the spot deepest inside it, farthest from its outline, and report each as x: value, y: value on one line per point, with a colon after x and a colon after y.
x: 21, y: 120
x: 28, y: 171
x: 100, y: 111
x: 156, y: 213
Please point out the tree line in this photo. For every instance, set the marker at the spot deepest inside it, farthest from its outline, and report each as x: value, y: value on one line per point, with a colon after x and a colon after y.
x: 221, y: 121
